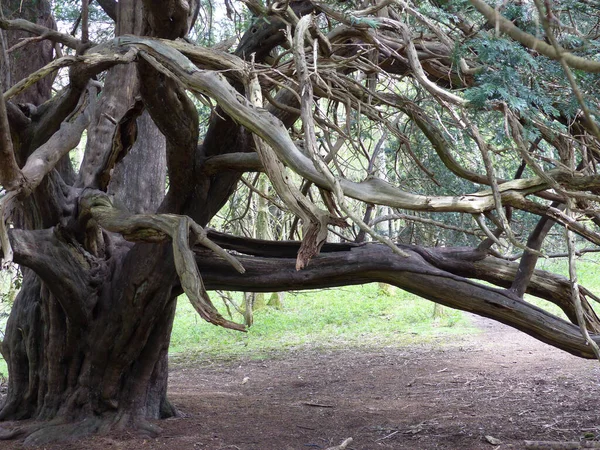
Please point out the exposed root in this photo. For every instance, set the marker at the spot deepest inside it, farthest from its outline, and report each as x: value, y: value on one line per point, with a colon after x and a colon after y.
x: 62, y: 432
x: 6, y: 435
x: 43, y: 433
x: 126, y: 421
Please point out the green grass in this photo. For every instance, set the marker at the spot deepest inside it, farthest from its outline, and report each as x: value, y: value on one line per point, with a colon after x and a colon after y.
x: 357, y: 316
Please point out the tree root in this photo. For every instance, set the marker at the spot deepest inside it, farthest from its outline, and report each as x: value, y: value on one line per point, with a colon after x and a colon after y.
x: 43, y: 433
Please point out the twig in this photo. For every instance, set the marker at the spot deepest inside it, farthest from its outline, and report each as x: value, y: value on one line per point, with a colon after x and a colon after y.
x: 342, y: 446
x: 388, y: 436
x: 491, y: 173
x: 479, y: 218
x: 317, y: 405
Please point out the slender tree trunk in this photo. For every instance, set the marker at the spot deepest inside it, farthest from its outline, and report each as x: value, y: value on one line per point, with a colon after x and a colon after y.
x: 276, y: 300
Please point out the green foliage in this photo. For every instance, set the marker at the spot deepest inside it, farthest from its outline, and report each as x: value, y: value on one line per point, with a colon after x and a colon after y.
x: 527, y: 82
x: 70, y: 11
x: 511, y: 76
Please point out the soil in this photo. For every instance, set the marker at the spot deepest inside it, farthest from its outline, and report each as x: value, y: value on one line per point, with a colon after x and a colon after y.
x: 442, y: 395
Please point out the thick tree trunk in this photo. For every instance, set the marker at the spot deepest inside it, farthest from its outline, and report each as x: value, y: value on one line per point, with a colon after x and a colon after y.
x: 101, y: 364
x: 112, y: 372
x: 87, y: 340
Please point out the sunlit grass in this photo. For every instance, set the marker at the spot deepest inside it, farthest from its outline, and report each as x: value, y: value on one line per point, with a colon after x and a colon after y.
x: 356, y: 316
x: 588, y: 268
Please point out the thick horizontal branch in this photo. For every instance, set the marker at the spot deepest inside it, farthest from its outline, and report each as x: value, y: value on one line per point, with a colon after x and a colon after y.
x: 242, y: 162
x: 377, y: 263
x: 542, y: 284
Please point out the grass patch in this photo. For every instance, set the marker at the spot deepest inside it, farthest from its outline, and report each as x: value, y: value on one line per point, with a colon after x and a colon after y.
x: 356, y: 316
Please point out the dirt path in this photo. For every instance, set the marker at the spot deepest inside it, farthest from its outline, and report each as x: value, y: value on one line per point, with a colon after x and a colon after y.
x: 499, y: 383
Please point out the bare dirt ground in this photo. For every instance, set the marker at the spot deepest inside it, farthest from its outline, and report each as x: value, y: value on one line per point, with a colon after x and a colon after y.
x: 443, y: 395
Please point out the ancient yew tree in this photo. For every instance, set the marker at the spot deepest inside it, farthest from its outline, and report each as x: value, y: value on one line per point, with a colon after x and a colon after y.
x: 474, y: 122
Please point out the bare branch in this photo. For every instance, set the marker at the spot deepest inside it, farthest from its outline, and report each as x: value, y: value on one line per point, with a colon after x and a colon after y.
x: 575, y: 295
x: 275, y: 134
x: 243, y: 162
x: 39, y: 30
x: 91, y: 63
x: 45, y: 158
x: 314, y: 220
x: 310, y: 136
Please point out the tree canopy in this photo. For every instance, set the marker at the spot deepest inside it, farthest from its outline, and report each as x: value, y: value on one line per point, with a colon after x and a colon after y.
x: 433, y: 145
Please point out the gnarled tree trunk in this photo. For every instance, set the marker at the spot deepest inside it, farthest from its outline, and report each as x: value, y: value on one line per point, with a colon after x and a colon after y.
x: 86, y: 343
x: 91, y: 353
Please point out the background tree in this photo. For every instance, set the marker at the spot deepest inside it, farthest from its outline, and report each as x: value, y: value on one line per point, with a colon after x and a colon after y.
x: 487, y: 119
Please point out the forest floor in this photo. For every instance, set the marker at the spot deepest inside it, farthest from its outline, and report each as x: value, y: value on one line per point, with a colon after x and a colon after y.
x: 499, y: 384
